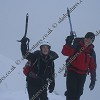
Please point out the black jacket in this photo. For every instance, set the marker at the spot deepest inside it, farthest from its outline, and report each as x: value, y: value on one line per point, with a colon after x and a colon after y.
x: 43, y: 66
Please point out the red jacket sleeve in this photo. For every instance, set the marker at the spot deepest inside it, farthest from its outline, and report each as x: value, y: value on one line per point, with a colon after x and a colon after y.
x: 68, y: 50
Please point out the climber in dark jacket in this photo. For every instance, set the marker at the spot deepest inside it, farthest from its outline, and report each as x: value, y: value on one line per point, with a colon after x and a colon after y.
x: 81, y: 59
x: 39, y: 70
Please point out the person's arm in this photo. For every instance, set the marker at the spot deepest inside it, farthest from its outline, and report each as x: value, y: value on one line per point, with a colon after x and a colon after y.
x: 52, y: 83
x: 53, y: 56
x: 24, y: 49
x: 92, y: 67
x: 68, y: 48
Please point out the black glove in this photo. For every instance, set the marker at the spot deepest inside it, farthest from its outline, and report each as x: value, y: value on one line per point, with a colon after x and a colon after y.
x: 51, y: 86
x: 92, y: 83
x: 24, y: 40
x: 24, y: 45
x: 51, y: 90
x: 65, y: 93
x: 69, y: 39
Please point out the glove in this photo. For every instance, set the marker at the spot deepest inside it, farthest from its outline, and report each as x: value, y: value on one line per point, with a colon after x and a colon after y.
x: 69, y: 39
x: 24, y: 40
x: 92, y: 84
x: 51, y: 86
x: 24, y: 45
x: 65, y: 93
x: 51, y: 90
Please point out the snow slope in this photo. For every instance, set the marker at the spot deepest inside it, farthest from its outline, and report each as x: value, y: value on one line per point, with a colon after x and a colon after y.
x: 13, y: 86
x: 20, y: 95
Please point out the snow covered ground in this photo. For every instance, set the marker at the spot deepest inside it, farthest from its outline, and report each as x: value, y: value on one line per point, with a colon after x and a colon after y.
x: 20, y: 95
x: 13, y: 87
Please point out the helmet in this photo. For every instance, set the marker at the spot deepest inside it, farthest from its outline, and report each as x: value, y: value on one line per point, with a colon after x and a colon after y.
x: 90, y: 35
x: 44, y: 43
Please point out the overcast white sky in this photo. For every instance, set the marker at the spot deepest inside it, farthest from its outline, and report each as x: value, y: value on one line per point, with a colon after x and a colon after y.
x: 42, y: 14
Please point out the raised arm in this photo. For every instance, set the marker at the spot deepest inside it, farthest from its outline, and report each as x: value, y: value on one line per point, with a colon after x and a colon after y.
x: 25, y: 49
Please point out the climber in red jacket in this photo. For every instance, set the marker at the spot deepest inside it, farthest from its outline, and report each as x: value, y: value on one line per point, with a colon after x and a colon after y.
x: 76, y: 69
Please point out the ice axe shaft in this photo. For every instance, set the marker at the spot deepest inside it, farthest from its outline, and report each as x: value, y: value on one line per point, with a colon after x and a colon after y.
x: 71, y: 30
x: 26, y: 27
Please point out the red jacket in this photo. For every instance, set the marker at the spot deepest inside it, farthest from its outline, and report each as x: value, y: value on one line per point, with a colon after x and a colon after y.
x: 84, y: 61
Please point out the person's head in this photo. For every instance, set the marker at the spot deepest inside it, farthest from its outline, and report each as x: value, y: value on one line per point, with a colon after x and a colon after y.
x: 89, y: 38
x: 45, y: 47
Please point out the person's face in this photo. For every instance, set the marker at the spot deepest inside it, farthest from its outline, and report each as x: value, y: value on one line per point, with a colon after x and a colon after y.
x: 45, y: 49
x: 87, y: 41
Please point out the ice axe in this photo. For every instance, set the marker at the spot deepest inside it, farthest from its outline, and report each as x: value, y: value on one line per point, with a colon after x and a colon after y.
x: 71, y: 29
x: 24, y: 37
x: 26, y: 26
